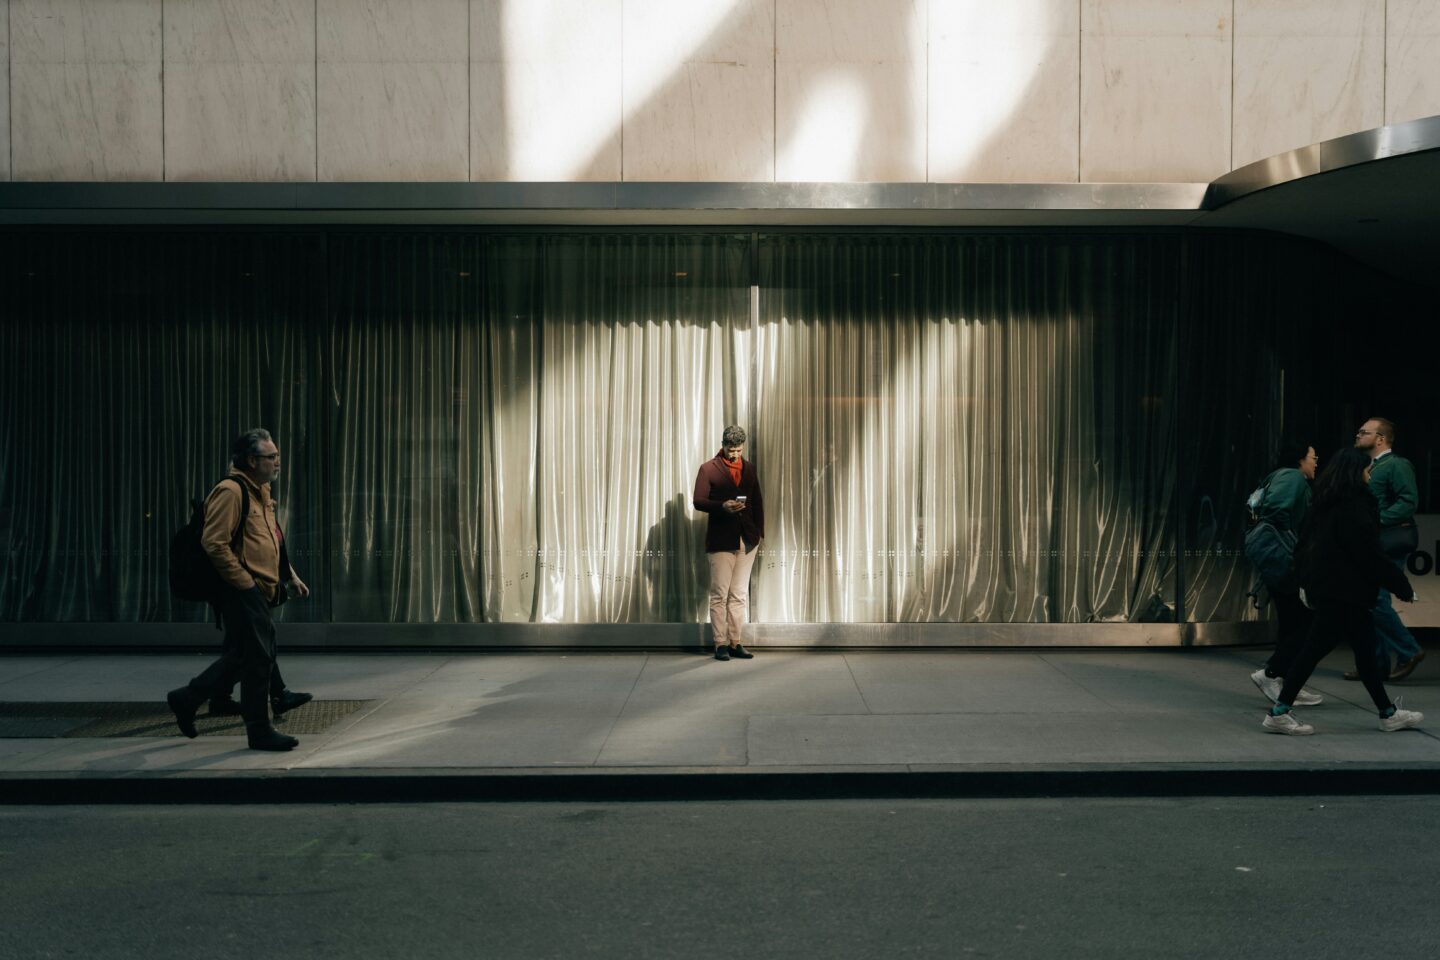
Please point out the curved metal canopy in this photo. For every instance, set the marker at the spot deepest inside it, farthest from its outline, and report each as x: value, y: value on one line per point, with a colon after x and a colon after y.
x: 1373, y: 195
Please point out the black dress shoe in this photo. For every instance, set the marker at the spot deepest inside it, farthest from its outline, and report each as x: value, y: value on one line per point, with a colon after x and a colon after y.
x: 722, y: 653
x: 184, y: 709
x: 224, y: 706
x: 262, y: 736
x: 740, y: 653
x: 289, y: 700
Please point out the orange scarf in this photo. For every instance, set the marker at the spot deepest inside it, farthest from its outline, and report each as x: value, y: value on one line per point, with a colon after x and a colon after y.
x: 735, y: 469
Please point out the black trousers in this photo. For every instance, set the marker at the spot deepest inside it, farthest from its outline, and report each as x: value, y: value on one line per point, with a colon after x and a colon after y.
x: 277, y: 682
x: 247, y: 655
x: 1330, y: 626
x: 1294, y: 626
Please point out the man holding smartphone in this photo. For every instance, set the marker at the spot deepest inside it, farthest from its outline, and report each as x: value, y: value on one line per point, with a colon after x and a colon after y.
x: 728, y: 489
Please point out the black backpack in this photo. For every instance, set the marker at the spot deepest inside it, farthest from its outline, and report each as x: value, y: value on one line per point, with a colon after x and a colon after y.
x: 192, y: 575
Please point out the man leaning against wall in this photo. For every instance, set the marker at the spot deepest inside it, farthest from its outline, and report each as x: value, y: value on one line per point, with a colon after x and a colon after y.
x: 728, y: 489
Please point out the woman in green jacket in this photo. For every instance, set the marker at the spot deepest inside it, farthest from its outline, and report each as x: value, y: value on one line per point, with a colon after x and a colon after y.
x: 1283, y: 504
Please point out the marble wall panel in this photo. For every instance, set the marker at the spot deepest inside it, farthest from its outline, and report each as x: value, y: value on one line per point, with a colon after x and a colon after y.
x: 545, y: 85
x: 1154, y: 90
x: 1004, y: 91
x: 240, y: 90
x: 1412, y: 60
x: 699, y: 90
x: 1306, y: 71
x: 5, y: 96
x: 85, y: 90
x: 850, y: 90
x: 391, y: 90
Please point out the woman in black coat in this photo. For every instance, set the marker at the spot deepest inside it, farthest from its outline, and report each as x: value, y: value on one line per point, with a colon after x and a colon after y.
x: 1341, y: 568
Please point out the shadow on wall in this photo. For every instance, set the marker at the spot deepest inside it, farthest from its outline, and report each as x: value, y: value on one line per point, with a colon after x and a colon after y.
x: 859, y: 74
x: 674, y: 568
x: 942, y: 423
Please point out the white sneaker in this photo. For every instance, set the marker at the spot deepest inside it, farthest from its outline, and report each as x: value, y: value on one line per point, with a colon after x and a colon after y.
x: 1401, y: 719
x: 1287, y: 723
x: 1270, y: 686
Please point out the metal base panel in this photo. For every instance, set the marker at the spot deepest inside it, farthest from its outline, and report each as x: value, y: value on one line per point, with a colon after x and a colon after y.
x: 819, y: 636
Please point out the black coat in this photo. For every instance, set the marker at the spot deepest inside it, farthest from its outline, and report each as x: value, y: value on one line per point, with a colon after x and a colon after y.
x: 713, y: 486
x: 1338, y: 559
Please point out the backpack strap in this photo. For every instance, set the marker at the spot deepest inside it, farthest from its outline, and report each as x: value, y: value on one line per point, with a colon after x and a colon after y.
x: 238, y: 537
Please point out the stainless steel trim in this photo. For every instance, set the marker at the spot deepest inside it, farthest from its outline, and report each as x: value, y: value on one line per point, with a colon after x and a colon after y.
x: 1397, y: 139
x: 819, y: 636
x: 557, y: 203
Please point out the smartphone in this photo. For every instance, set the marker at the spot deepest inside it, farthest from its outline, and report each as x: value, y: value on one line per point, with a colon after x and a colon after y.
x: 741, y: 498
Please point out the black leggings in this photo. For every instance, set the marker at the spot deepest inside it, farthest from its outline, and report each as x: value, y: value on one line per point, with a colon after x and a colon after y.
x: 1294, y: 626
x: 1330, y: 626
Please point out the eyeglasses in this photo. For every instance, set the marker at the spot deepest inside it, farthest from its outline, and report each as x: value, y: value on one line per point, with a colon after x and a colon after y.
x: 1364, y: 433
x: 267, y: 456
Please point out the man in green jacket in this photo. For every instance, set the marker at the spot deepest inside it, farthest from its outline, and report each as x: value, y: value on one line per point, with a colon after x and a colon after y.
x: 1392, y: 481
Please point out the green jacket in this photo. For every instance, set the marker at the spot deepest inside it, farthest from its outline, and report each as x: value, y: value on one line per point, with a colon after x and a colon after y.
x: 1286, y: 498
x: 1392, y: 481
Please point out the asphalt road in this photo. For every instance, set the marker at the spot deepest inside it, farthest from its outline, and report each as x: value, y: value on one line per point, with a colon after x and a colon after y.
x: 1348, y: 877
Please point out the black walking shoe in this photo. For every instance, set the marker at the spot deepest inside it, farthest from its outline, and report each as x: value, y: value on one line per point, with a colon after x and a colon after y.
x: 224, y: 706
x: 722, y: 653
x: 262, y: 736
x: 289, y: 700
x: 184, y: 710
x: 740, y: 653
x: 1404, y: 668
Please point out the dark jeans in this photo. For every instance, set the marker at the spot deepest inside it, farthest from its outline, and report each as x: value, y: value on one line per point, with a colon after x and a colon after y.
x: 1295, y: 620
x: 248, y: 655
x: 1330, y: 626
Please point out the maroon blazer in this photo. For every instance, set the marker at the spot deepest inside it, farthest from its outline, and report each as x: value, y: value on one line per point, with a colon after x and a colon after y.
x: 713, y: 486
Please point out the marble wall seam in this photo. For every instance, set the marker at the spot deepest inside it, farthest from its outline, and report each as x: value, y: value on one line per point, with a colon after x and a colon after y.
x: 86, y: 90
x: 1023, y: 58
x: 546, y: 90
x: 851, y: 88
x: 1150, y: 76
x: 5, y: 141
x: 1306, y: 71
x: 391, y: 90
x: 698, y: 90
x: 1412, y: 60
x: 240, y: 90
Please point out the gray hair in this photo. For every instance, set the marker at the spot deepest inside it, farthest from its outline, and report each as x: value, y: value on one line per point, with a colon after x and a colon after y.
x: 733, y: 436
x: 248, y: 445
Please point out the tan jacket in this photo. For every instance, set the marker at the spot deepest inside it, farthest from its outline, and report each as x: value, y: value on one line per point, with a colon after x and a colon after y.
x: 258, y: 562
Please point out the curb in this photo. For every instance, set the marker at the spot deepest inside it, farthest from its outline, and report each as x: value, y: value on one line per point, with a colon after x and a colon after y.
x: 639, y: 785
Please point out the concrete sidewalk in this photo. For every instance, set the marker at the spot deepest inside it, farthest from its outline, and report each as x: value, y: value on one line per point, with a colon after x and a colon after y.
x: 636, y: 724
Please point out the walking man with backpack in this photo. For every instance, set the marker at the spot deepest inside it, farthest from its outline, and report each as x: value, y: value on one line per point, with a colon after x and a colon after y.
x: 244, y: 543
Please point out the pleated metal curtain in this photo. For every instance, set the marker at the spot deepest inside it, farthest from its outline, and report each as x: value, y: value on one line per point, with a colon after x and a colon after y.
x: 507, y: 427
x: 126, y: 363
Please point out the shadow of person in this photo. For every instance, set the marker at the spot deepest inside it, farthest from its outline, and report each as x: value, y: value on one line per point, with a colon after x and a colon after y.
x: 673, y: 566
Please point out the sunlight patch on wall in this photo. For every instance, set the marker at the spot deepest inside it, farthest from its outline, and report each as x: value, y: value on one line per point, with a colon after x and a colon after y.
x: 826, y: 143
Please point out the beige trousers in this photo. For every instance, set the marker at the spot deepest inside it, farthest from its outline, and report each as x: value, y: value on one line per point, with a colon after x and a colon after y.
x: 729, y: 593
